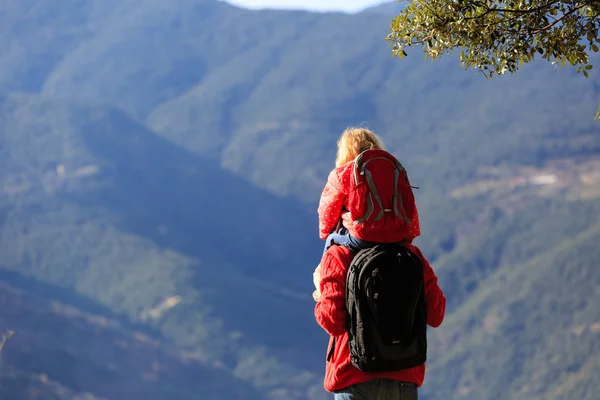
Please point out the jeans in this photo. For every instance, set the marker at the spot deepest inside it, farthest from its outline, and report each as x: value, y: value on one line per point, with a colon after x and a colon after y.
x: 343, y: 238
x: 379, y: 389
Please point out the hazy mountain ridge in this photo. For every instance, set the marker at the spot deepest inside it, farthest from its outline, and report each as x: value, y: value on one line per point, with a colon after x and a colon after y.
x: 388, y: 8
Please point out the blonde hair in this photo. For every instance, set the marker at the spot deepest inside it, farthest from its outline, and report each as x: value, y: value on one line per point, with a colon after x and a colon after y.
x: 354, y: 141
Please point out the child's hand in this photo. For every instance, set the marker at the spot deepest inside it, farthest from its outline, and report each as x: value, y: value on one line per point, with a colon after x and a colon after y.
x: 317, y: 277
x: 316, y: 281
x: 316, y: 296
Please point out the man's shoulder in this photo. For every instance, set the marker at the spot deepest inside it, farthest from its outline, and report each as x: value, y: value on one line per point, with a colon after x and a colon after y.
x: 341, y: 254
x: 413, y: 248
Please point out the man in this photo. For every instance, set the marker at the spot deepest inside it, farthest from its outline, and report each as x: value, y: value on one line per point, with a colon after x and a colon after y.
x: 344, y: 379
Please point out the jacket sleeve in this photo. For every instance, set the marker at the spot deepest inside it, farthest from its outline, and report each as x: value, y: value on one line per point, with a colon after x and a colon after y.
x: 330, y: 311
x: 330, y: 205
x: 434, y: 297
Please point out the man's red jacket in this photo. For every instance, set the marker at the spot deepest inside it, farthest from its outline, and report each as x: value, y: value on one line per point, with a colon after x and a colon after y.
x: 330, y: 313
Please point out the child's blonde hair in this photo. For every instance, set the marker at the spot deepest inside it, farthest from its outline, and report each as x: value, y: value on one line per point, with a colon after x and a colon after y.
x: 354, y: 141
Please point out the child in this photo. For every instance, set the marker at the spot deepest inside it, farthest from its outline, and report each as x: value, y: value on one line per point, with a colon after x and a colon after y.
x: 352, y: 198
x: 368, y: 198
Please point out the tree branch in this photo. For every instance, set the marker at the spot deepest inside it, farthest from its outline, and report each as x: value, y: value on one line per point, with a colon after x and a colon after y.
x: 511, y: 11
x: 550, y: 25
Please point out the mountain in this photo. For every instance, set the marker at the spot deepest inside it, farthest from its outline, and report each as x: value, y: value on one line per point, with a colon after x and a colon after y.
x: 160, y: 166
x: 389, y: 8
x: 548, y: 337
x: 19, y: 385
x: 93, y: 353
x: 95, y: 197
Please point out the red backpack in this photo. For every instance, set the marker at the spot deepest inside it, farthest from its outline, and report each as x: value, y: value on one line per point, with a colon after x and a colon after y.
x: 380, y: 199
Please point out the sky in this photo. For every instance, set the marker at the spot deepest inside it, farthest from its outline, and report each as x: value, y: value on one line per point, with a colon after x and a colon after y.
x: 314, y: 5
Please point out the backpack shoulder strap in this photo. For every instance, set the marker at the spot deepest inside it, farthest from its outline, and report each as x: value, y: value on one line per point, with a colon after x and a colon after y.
x: 397, y: 199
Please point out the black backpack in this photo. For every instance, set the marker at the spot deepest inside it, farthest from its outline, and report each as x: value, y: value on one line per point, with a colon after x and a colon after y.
x: 385, y: 300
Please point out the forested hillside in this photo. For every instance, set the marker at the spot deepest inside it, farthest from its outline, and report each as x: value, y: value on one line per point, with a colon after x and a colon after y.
x: 160, y: 165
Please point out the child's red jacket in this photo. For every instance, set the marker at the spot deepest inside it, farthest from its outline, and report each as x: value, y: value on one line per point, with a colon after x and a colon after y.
x: 342, y: 198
